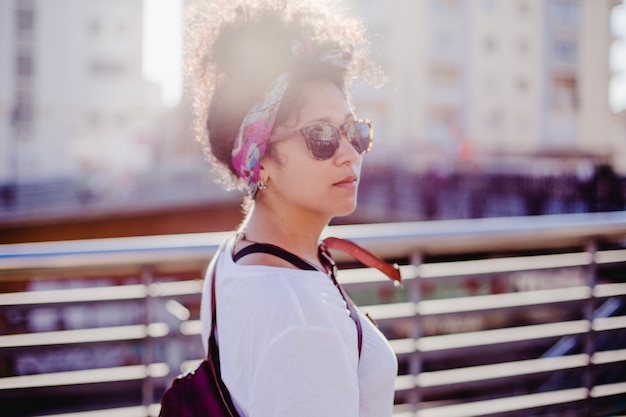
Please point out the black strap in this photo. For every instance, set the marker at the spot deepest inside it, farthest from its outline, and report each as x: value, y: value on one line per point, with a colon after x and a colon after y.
x: 331, y: 267
x: 298, y: 262
x: 276, y: 251
x: 213, y: 356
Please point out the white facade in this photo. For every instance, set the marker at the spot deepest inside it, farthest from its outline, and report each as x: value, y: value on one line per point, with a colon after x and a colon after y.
x: 493, y: 77
x: 72, y: 94
x: 465, y: 77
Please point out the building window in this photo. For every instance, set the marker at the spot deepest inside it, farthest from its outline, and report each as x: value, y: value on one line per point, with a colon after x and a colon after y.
x: 567, y: 11
x: 22, y: 112
x: 564, y: 92
x: 25, y: 20
x: 24, y: 65
x: 447, y: 76
x: 442, y: 126
x: 442, y: 41
x: 566, y: 50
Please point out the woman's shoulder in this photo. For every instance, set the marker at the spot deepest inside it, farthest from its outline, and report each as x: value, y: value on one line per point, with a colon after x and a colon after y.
x: 269, y: 282
x: 272, y: 293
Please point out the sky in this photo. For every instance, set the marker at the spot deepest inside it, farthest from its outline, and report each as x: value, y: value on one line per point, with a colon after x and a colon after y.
x: 617, y: 92
x: 162, y: 61
x: 163, y: 42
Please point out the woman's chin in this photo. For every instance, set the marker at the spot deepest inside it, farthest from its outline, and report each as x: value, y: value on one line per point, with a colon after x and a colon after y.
x: 345, y: 210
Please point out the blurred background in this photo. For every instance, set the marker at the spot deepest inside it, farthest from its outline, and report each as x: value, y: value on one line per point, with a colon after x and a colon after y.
x: 493, y: 108
x: 498, y: 170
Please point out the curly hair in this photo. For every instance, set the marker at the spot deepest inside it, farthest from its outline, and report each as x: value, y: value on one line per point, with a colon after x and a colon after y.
x: 236, y: 48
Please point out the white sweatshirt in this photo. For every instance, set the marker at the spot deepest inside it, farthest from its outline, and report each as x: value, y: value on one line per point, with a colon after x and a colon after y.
x: 288, y: 346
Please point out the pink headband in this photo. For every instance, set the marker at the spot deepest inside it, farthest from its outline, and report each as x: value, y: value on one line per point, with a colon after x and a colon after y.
x: 256, y: 128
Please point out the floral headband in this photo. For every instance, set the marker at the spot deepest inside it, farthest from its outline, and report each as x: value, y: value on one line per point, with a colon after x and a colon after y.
x: 256, y: 128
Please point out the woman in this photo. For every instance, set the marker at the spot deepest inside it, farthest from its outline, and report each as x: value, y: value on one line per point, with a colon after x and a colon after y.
x: 273, y: 103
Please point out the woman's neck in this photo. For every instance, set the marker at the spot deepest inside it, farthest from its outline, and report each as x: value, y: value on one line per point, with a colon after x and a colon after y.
x: 292, y: 230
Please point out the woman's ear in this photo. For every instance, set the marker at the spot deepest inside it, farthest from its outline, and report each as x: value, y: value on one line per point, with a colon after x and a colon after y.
x: 264, y: 171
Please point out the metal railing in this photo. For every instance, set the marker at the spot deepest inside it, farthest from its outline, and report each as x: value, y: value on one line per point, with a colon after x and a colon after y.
x: 501, y: 316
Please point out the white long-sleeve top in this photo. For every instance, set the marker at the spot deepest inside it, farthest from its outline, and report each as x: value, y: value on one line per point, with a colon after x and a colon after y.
x: 288, y: 346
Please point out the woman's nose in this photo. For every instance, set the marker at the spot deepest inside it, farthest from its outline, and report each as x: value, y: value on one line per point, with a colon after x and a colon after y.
x: 346, y: 150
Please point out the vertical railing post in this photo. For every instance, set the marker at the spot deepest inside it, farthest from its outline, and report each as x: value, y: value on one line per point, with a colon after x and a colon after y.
x: 590, y: 336
x: 147, y: 278
x: 415, y: 363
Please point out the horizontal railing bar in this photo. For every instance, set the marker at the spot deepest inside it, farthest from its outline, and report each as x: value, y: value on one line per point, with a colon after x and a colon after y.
x: 136, y: 411
x: 500, y: 370
x: 390, y: 240
x: 500, y: 265
x: 477, y: 303
x: 608, y: 356
x: 608, y: 390
x: 609, y: 323
x: 508, y: 404
x: 610, y: 256
x: 191, y: 327
x: 486, y: 234
x: 107, y: 293
x: 499, y: 336
x: 193, y: 287
x: 95, y: 335
x: 462, y: 269
x: 430, y: 344
x: 367, y: 276
x: 190, y: 364
x: 110, y: 251
x: 176, y: 288
x: 392, y: 311
x: 502, y: 301
x: 492, y: 372
x: 75, y: 295
x: 609, y: 290
x: 404, y: 383
x: 86, y: 376
x: 403, y: 413
x: 403, y: 346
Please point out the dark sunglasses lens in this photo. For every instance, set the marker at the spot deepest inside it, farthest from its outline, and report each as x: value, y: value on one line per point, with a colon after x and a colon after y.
x: 323, y: 140
x: 359, y: 135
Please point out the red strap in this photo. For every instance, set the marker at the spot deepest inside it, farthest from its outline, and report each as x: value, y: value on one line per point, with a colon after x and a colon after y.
x: 365, y: 257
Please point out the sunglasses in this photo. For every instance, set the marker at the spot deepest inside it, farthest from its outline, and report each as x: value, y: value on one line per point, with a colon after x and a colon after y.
x: 324, y: 139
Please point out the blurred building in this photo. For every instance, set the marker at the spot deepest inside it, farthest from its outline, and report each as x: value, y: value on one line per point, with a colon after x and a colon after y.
x: 72, y: 96
x: 493, y: 77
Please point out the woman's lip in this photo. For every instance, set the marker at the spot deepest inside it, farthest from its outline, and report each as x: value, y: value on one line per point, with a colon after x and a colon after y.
x: 350, y: 180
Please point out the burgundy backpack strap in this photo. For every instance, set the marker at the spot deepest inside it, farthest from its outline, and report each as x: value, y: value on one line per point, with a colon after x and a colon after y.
x: 365, y: 257
x: 213, y: 359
